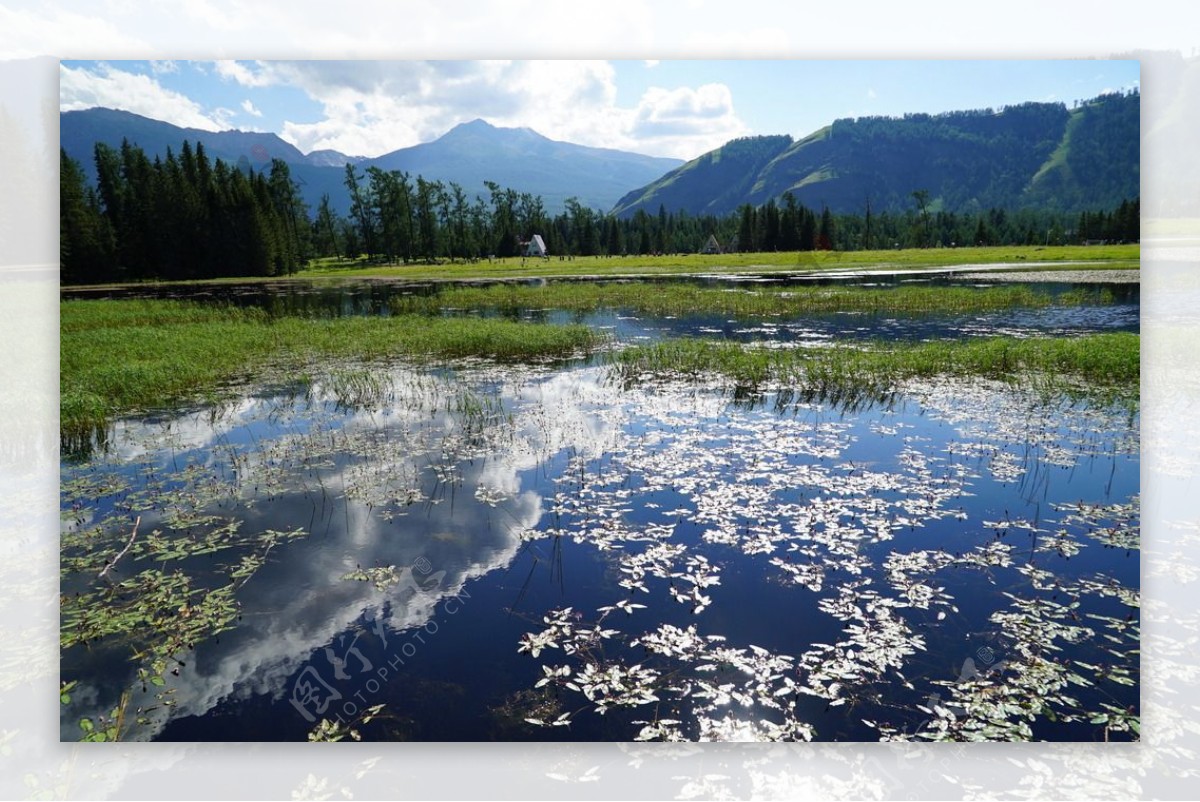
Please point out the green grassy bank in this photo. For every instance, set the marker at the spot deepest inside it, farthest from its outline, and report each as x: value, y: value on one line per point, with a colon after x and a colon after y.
x: 123, y: 356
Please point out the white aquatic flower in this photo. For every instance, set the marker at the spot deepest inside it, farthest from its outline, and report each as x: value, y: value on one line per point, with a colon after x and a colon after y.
x: 629, y: 606
x: 552, y: 674
x: 664, y: 729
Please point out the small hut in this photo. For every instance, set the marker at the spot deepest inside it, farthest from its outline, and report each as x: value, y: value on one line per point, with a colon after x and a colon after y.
x: 535, y: 247
x: 712, y: 246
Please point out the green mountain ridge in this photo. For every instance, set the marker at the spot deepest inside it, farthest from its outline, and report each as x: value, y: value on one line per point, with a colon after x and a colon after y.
x: 730, y: 172
x: 1031, y: 155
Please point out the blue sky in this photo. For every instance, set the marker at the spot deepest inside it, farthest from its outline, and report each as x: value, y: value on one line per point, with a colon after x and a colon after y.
x: 678, y: 108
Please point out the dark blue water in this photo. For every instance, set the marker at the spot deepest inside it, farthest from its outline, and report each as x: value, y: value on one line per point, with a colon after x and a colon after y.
x: 494, y: 521
x: 823, y: 329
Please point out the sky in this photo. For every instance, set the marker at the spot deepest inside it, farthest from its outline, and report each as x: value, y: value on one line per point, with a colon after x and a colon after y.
x: 676, y: 108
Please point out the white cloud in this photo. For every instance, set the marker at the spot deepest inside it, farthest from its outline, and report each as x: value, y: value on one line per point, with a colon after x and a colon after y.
x: 83, y: 88
x: 246, y: 74
x: 371, y: 108
x: 223, y: 117
x: 687, y: 121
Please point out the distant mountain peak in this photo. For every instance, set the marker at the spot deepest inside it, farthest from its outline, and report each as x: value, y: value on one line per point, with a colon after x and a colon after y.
x: 470, y: 154
x: 476, y: 126
x: 482, y: 128
x: 478, y: 122
x: 332, y: 158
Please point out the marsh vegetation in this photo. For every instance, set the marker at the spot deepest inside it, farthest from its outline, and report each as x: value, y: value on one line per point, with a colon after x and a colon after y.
x: 122, y: 356
x: 678, y: 298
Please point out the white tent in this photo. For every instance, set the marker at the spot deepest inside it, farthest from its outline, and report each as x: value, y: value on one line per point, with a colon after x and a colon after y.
x: 535, y: 246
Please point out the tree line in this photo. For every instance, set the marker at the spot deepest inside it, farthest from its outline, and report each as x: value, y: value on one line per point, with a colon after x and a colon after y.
x: 791, y: 226
x: 186, y: 217
x: 177, y: 218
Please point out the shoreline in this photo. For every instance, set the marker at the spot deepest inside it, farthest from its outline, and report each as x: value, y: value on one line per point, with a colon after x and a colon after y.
x: 1076, y: 276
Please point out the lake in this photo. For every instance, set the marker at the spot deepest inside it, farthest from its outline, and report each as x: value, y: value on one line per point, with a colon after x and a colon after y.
x: 551, y: 553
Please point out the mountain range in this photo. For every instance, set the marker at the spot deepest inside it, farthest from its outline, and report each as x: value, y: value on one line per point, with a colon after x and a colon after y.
x: 469, y: 154
x: 1035, y: 155
x: 1031, y: 155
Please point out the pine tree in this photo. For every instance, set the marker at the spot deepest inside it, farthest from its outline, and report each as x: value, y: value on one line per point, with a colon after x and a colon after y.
x: 745, y: 235
x: 292, y: 214
x: 921, y: 196
x: 982, y: 236
x: 789, y: 224
x: 362, y: 210
x: 326, y: 227
x: 615, y: 241
x: 771, y: 226
x: 825, y: 235
x: 503, y: 220
x: 462, y: 244
x: 808, y: 230
x: 85, y: 239
x: 427, y: 229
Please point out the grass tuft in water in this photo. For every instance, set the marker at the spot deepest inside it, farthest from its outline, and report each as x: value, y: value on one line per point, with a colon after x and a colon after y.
x: 358, y: 388
x: 1100, y: 367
